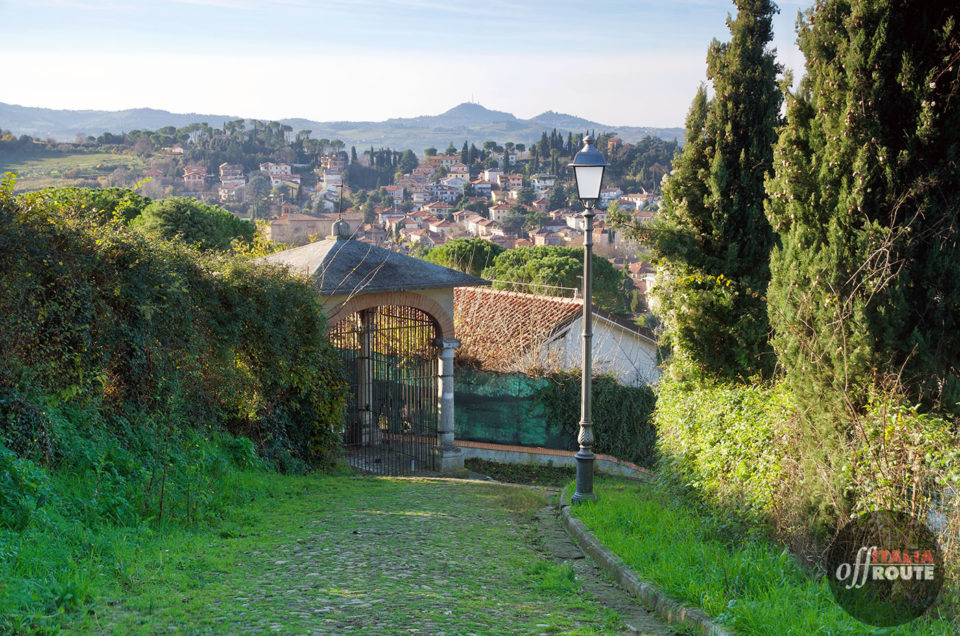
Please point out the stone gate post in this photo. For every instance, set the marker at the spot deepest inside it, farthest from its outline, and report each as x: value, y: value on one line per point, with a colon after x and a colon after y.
x: 451, y: 458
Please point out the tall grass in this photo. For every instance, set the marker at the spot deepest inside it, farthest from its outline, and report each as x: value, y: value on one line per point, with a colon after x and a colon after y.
x: 705, y: 559
x: 72, y: 531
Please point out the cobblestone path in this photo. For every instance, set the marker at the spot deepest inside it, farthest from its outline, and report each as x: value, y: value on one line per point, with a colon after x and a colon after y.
x: 383, y: 556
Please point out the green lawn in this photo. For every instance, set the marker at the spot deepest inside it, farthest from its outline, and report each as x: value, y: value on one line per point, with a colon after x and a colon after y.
x: 47, y: 169
x: 748, y: 584
x: 351, y: 554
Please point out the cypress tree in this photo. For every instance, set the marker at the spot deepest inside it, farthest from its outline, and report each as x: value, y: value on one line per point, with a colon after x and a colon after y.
x: 865, y: 196
x: 712, y: 239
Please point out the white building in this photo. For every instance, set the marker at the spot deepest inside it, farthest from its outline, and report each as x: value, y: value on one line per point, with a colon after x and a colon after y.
x: 276, y: 168
x: 509, y: 331
x: 542, y: 182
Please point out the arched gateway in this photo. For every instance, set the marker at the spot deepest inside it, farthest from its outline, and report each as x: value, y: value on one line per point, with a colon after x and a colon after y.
x: 391, y: 318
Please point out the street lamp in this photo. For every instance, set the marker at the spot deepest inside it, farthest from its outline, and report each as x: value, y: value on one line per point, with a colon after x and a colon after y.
x: 588, y: 166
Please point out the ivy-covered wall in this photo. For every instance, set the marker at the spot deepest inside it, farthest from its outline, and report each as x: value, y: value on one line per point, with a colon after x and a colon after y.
x: 102, y: 319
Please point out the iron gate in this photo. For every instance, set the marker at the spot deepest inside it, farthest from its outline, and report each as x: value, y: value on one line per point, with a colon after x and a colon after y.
x: 391, y: 356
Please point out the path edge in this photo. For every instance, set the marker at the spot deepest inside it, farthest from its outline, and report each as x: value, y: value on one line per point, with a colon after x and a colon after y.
x: 649, y: 595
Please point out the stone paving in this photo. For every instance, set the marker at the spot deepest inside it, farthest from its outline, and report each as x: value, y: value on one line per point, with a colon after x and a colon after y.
x: 407, y: 556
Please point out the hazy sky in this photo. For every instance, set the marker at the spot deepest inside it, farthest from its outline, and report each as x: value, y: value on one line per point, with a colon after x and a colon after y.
x: 618, y: 62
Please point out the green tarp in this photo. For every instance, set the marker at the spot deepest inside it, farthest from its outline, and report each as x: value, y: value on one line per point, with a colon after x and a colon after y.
x: 502, y: 408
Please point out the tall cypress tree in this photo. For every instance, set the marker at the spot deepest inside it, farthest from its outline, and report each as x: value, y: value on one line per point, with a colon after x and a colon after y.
x: 712, y: 239
x: 866, y: 197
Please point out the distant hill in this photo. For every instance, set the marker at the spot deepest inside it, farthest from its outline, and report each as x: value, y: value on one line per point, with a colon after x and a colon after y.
x: 65, y: 125
x: 467, y: 121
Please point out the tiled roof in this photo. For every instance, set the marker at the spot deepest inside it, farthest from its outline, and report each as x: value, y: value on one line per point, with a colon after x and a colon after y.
x: 497, y: 328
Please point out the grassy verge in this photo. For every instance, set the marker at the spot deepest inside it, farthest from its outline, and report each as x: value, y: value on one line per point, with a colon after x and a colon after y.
x: 76, y: 531
x: 522, y: 473
x: 749, y: 584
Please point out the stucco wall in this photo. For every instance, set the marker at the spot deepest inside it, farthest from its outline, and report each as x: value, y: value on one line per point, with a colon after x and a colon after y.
x: 630, y: 357
x: 436, y: 302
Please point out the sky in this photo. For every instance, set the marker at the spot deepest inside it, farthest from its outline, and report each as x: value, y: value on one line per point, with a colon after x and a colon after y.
x: 616, y: 62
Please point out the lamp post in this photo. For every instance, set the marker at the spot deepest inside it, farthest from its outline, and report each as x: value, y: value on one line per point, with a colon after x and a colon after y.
x: 588, y: 166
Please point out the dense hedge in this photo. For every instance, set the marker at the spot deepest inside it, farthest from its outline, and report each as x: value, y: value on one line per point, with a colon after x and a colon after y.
x: 97, y: 317
x: 138, y: 379
x: 205, y: 226
x: 741, y: 448
x: 725, y: 440
x: 620, y: 414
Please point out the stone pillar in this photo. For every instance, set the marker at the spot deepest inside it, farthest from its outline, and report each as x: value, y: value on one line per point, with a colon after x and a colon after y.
x: 451, y: 459
x: 368, y: 422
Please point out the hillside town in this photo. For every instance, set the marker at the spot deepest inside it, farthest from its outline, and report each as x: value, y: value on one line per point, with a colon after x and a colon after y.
x: 438, y: 200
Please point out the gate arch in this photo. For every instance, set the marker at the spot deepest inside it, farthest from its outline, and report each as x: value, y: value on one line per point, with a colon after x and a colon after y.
x: 443, y: 320
x: 391, y: 354
x: 360, y: 283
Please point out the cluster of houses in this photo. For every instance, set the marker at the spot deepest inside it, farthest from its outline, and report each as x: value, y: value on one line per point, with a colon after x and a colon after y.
x: 431, y: 192
x: 233, y: 181
x: 232, y: 187
x: 436, y: 202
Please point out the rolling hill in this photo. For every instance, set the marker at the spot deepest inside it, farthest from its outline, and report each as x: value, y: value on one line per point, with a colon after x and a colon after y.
x: 467, y: 121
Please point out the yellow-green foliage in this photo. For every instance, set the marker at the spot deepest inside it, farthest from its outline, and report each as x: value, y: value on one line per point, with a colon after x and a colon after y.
x: 725, y: 440
x: 98, y: 317
x: 740, y: 447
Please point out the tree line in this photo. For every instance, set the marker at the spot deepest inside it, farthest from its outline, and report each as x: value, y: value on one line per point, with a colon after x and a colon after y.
x: 819, y: 250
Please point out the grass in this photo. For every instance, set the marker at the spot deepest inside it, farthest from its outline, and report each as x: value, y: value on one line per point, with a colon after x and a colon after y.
x: 529, y: 474
x: 319, y: 553
x: 51, y: 168
x: 749, y: 584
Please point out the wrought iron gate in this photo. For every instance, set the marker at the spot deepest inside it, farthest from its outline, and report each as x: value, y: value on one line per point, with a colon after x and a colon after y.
x: 391, y: 357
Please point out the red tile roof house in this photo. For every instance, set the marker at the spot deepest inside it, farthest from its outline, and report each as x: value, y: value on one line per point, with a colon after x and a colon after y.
x: 292, y: 179
x: 438, y: 208
x: 423, y: 237
x: 443, y: 161
x: 541, y: 204
x: 232, y: 173
x: 514, y: 332
x: 543, y: 236
x: 194, y: 178
x: 231, y: 191
x: 275, y: 168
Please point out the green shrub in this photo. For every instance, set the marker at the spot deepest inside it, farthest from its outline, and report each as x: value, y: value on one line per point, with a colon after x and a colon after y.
x: 97, y: 317
x: 24, y: 489
x: 103, y: 203
x: 621, y: 414
x: 726, y: 441
x: 470, y: 255
x: 740, y: 448
x: 546, y: 269
x: 138, y: 377
x: 202, y: 225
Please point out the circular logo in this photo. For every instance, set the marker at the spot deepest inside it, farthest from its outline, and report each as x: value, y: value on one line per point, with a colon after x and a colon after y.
x: 885, y: 569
